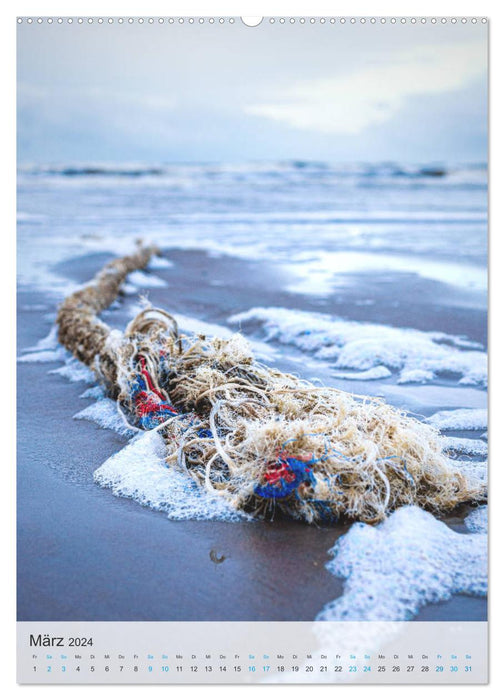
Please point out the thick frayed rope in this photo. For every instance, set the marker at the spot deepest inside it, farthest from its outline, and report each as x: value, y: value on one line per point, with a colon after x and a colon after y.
x: 264, y: 440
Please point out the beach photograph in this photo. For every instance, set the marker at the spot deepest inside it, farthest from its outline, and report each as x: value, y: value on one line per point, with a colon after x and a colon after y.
x: 252, y: 320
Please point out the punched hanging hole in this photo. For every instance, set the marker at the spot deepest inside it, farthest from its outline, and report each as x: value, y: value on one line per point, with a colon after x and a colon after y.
x: 251, y: 21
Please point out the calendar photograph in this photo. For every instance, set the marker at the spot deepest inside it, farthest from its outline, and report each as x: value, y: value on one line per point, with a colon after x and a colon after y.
x: 252, y: 348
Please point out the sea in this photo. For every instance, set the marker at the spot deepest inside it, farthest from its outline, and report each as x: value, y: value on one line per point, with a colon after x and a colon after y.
x: 367, y: 276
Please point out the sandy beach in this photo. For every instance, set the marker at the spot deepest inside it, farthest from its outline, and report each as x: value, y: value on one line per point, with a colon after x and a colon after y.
x: 252, y: 350
x: 84, y: 554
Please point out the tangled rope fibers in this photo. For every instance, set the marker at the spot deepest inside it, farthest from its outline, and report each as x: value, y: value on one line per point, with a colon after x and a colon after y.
x: 262, y: 439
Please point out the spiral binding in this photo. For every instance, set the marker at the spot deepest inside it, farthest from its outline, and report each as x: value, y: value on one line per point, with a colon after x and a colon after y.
x: 239, y: 21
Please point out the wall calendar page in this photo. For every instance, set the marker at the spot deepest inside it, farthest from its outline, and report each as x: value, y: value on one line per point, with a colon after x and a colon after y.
x: 252, y: 349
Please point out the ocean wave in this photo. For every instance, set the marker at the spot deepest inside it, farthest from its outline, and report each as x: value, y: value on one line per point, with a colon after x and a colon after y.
x: 415, y: 356
x: 317, y: 218
x: 92, y: 171
x: 475, y: 172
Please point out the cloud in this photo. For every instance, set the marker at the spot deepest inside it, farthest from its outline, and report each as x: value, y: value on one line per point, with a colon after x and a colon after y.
x: 376, y: 92
x: 40, y: 96
x: 94, y: 108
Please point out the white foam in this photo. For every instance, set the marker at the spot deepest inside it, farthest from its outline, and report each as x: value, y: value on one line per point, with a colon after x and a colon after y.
x: 466, y: 446
x: 94, y: 392
x: 416, y: 355
x: 141, y: 279
x: 44, y: 356
x: 114, y: 340
x: 415, y: 376
x: 33, y: 307
x: 460, y: 419
x: 105, y: 414
x: 75, y: 371
x: 139, y: 472
x: 477, y: 521
x: 47, y: 349
x: 395, y: 568
x: 378, y: 372
x: 50, y: 342
x: 476, y: 472
x: 159, y: 263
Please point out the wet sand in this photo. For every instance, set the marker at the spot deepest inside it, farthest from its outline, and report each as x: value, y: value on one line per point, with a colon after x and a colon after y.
x: 84, y: 554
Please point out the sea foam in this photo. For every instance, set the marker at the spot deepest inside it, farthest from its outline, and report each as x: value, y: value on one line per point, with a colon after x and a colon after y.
x: 460, y: 419
x: 139, y: 472
x: 45, y: 350
x: 159, y: 263
x: 105, y: 414
x: 378, y: 372
x: 477, y: 521
x: 416, y: 355
x: 477, y: 472
x: 49, y: 342
x: 411, y: 559
x: 75, y: 371
x: 141, y: 279
x: 465, y: 446
x: 43, y: 356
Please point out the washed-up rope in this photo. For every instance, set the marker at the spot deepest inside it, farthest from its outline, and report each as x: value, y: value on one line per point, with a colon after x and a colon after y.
x: 151, y: 407
x: 264, y: 440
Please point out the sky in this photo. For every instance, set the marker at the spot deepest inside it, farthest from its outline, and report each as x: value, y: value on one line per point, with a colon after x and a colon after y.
x: 206, y: 93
